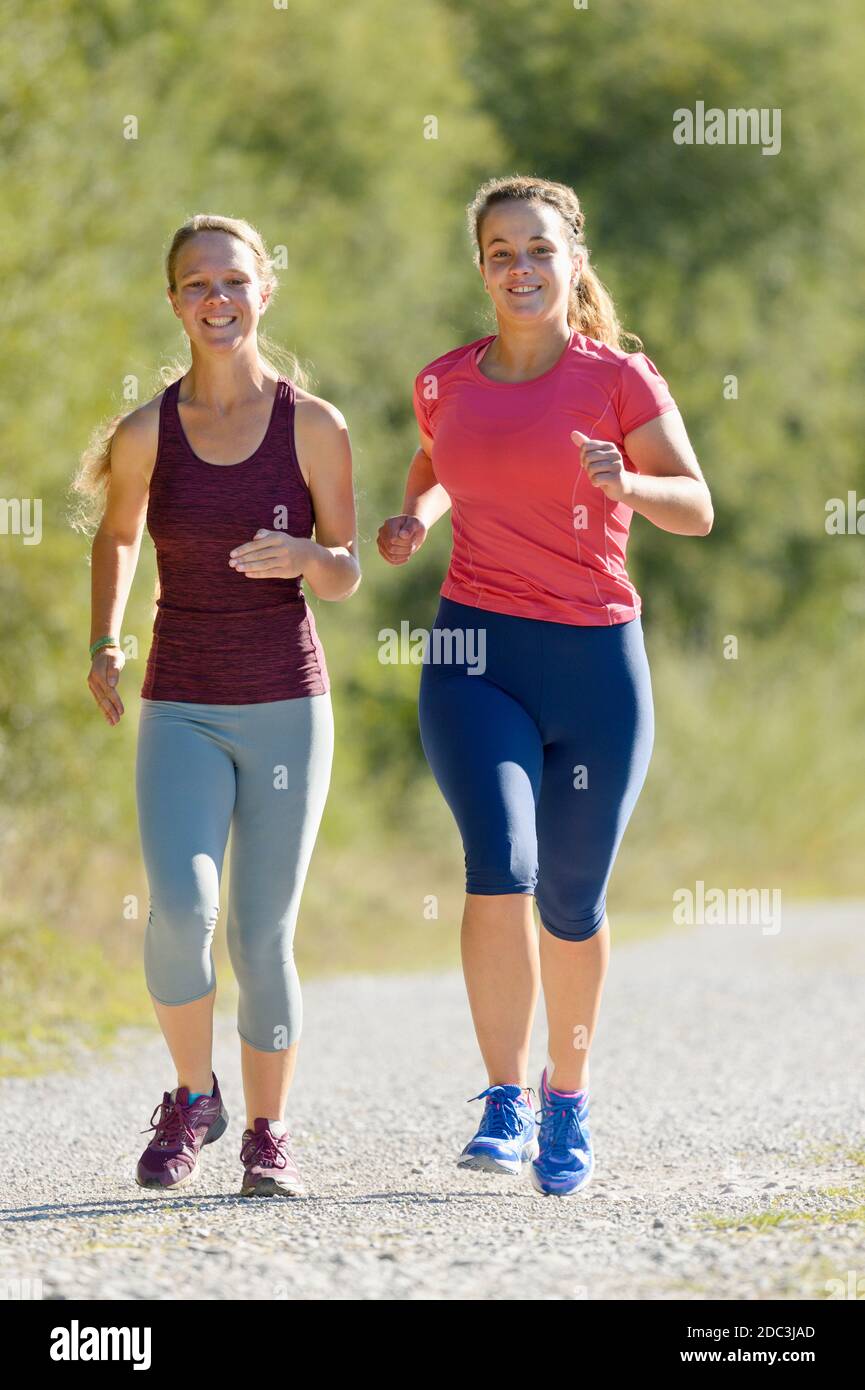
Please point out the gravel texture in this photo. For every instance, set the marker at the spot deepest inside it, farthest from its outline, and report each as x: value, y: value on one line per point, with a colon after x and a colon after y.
x: 727, y: 1088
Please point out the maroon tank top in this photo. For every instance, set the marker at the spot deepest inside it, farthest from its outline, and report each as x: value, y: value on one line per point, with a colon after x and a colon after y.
x: 219, y: 637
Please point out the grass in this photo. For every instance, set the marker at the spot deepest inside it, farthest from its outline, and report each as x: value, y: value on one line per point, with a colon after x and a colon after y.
x: 856, y: 1156
x: 59, y: 993
x: 776, y: 1216
x: 771, y: 1220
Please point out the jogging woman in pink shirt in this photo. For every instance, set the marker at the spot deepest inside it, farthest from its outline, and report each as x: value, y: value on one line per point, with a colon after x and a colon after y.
x: 535, y: 702
x: 231, y: 468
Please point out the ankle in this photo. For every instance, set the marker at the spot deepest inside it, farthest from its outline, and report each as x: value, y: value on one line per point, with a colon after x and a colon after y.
x: 566, y: 1085
x: 198, y: 1087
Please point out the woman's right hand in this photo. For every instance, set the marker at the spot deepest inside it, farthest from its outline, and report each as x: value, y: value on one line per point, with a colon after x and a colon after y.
x: 399, y: 537
x: 103, y: 678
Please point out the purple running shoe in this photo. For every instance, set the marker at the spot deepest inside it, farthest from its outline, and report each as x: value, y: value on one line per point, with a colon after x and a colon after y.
x: 269, y: 1166
x: 181, y: 1131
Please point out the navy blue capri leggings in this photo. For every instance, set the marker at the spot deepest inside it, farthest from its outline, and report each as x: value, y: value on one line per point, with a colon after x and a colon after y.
x: 539, y: 735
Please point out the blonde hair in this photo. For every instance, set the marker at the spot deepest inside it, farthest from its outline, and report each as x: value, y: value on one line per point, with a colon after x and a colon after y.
x: 89, y: 486
x: 590, y: 306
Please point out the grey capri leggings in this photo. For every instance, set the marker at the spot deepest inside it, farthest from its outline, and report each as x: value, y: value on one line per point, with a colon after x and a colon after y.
x: 263, y: 771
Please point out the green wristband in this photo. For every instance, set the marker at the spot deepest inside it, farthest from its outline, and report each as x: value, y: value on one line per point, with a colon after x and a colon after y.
x: 103, y: 642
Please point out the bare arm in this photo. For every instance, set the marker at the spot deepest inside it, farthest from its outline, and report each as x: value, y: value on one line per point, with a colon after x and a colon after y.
x: 116, y: 547
x: 668, y: 488
x: 424, y: 497
x: 332, y: 568
x: 329, y: 563
x: 424, y: 501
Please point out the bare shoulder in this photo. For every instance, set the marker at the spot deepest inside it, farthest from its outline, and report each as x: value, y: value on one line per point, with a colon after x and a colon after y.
x: 320, y: 432
x: 317, y: 415
x: 135, y: 441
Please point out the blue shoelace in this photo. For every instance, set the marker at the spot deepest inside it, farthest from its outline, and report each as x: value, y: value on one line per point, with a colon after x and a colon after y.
x: 500, y: 1120
x: 565, y: 1126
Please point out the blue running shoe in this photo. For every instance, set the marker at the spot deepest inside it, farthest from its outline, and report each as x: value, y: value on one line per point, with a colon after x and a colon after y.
x: 566, y: 1161
x: 506, y: 1137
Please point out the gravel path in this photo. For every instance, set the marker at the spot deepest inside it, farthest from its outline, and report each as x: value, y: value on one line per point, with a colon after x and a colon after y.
x: 727, y: 1086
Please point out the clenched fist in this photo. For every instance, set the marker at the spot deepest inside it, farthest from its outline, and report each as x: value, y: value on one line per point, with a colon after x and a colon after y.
x: 399, y: 537
x: 604, y: 465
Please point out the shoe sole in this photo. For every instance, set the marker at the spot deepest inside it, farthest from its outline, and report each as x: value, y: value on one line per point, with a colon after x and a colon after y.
x: 216, y: 1131
x: 565, y: 1192
x: 271, y: 1187
x: 486, y: 1163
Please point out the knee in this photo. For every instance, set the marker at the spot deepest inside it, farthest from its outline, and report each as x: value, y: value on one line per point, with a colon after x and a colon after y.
x: 185, y: 916
x: 572, y: 918
x: 178, y: 964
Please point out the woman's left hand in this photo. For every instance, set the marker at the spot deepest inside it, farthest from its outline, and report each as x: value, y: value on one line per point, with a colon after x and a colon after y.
x: 604, y: 465
x: 271, y: 555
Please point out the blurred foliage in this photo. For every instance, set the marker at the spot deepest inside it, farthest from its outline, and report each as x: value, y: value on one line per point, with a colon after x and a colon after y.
x: 309, y: 122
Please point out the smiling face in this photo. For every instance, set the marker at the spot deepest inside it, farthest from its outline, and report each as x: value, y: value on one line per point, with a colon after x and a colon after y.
x: 219, y: 297
x: 527, y: 264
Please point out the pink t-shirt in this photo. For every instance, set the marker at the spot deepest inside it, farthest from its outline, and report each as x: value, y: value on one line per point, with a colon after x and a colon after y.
x: 531, y: 535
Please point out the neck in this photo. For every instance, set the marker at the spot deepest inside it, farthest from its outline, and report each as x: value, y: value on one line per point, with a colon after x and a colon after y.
x: 525, y: 349
x: 223, y: 383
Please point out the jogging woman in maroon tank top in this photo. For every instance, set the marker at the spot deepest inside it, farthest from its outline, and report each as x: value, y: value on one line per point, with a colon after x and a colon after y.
x: 231, y: 467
